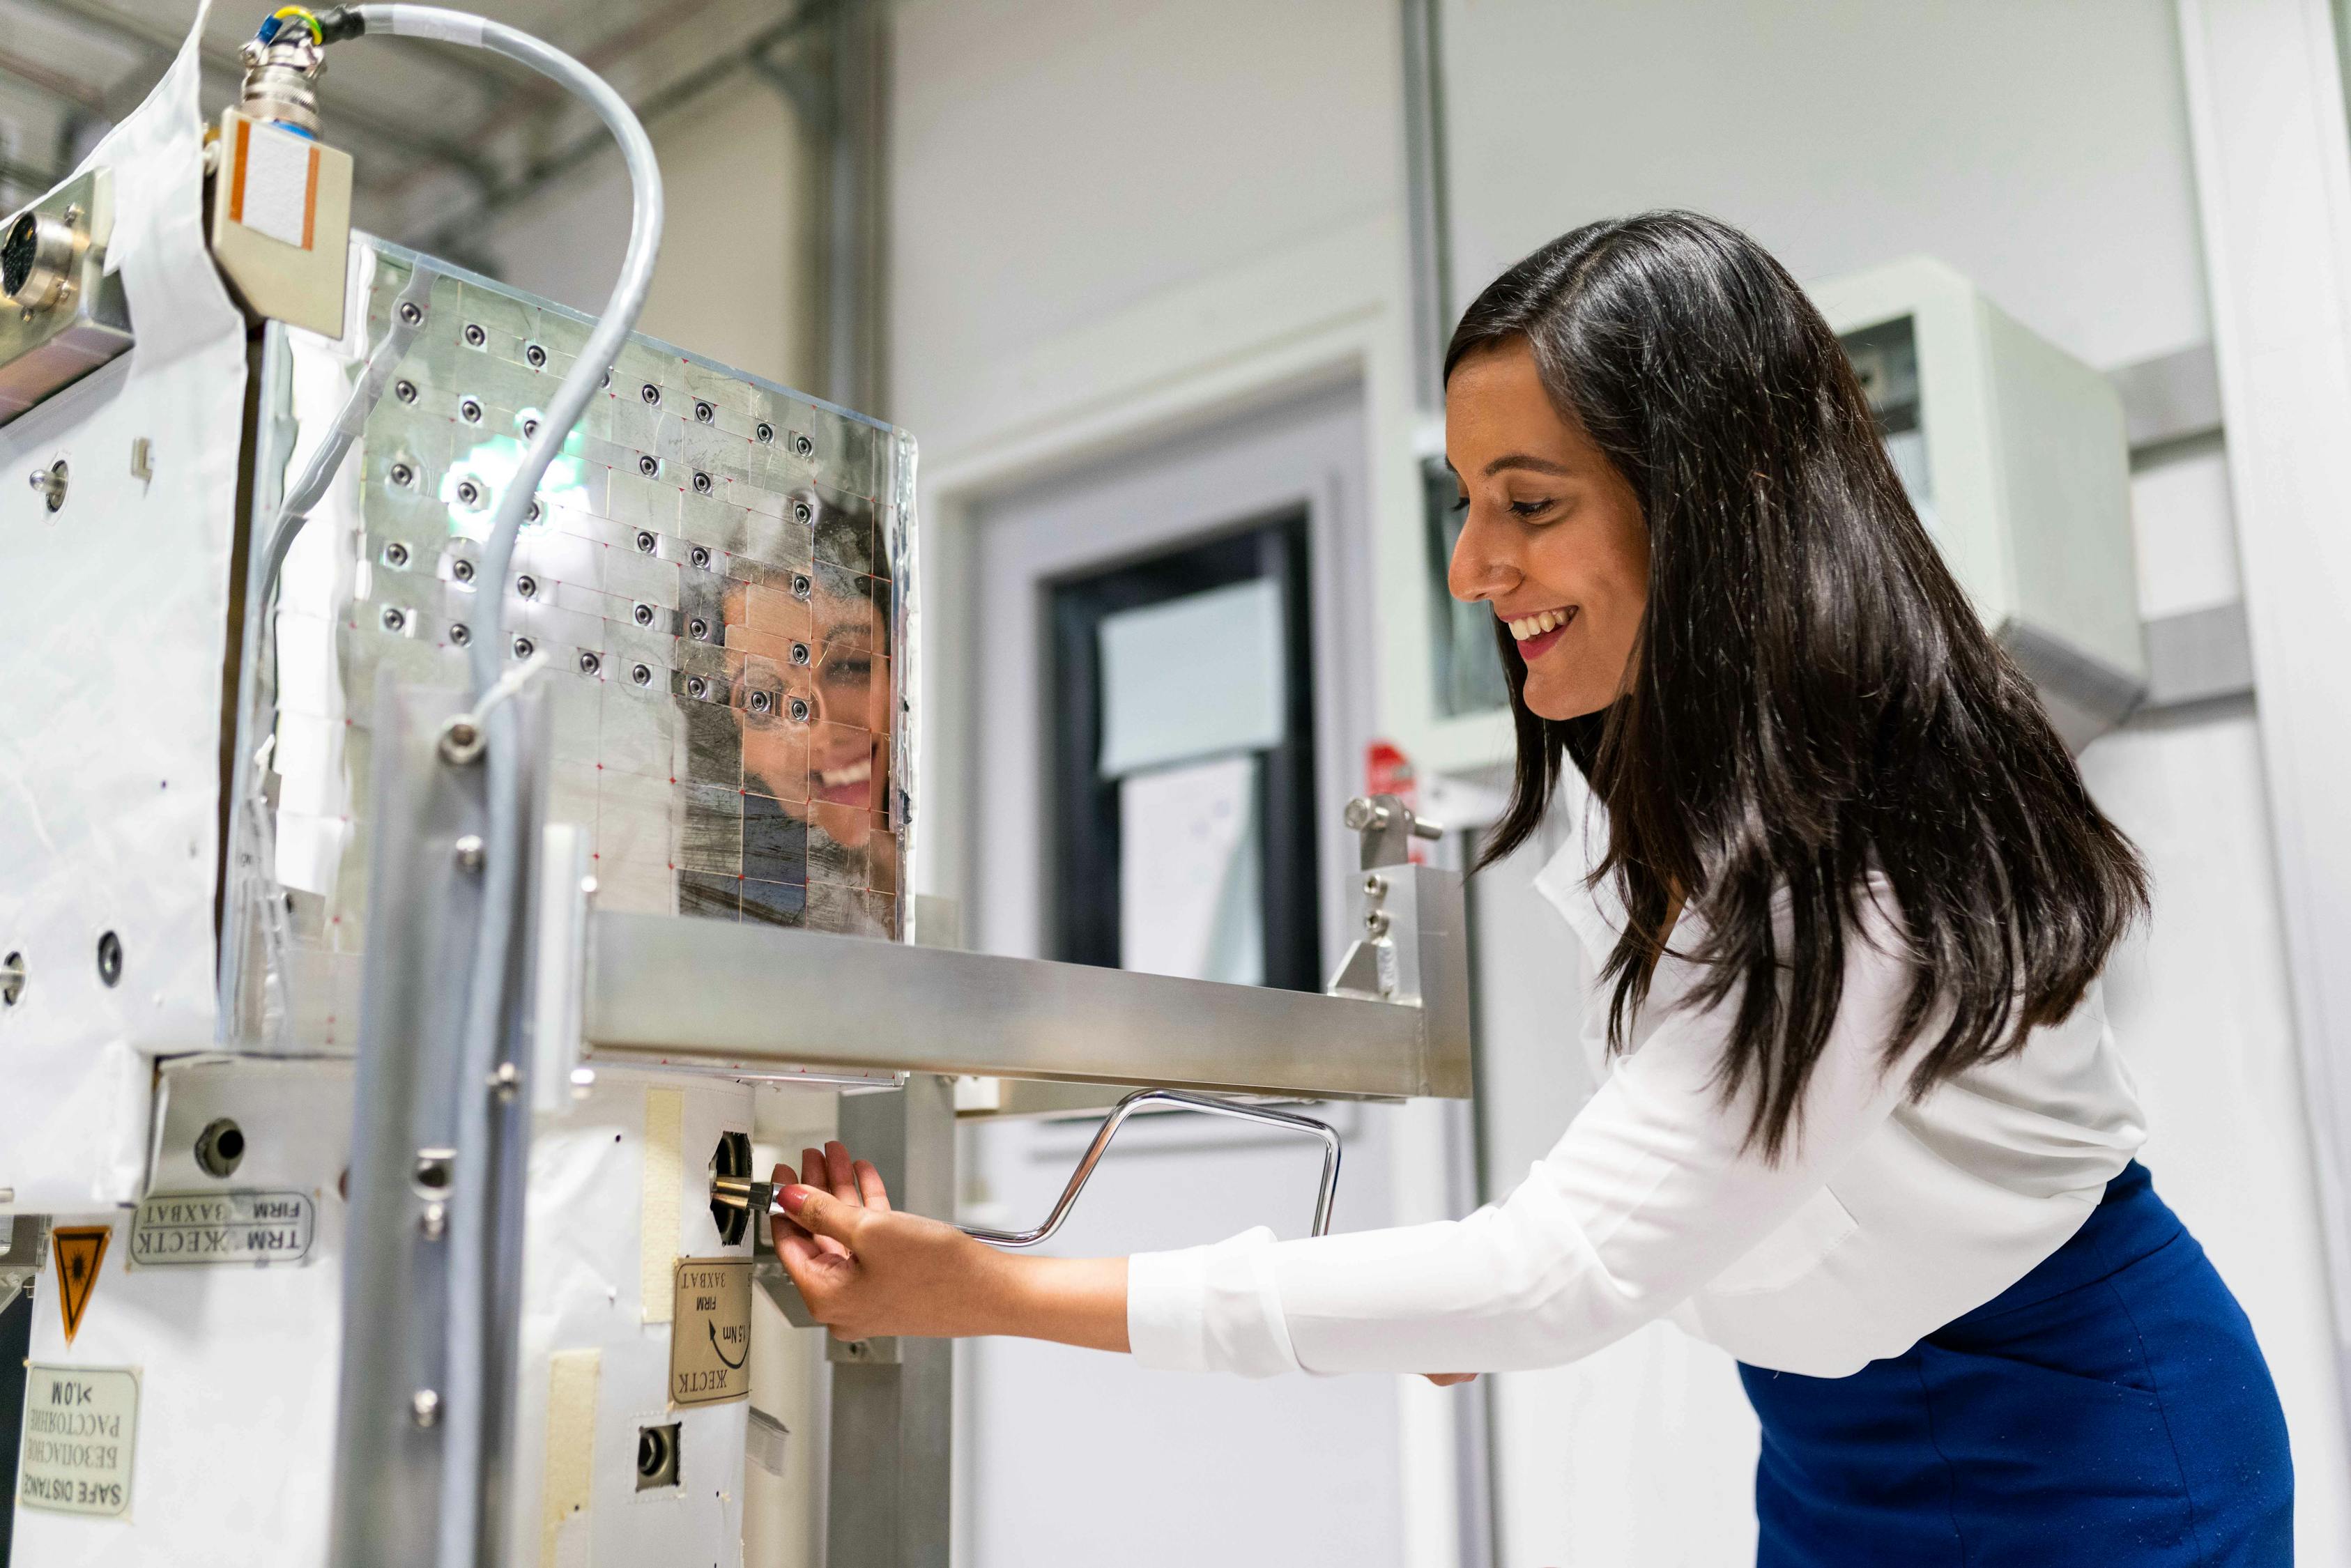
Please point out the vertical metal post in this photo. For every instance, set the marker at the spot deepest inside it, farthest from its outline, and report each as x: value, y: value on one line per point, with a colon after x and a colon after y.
x: 856, y: 345
x: 1426, y: 213
x: 894, y: 1400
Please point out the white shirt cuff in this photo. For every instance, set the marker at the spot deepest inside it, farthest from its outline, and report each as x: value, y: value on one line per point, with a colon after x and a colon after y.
x: 1209, y: 1309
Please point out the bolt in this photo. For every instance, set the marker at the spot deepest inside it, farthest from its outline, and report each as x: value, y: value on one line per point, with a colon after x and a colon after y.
x: 461, y: 570
x: 696, y: 687
x: 461, y: 738
x: 469, y: 410
x: 435, y: 1221
x: 524, y: 647
x: 409, y: 314
x: 469, y: 852
x: 702, y: 485
x: 531, y: 513
x: 700, y: 557
x: 703, y: 412
x: 801, y: 653
x: 468, y: 492
x: 12, y: 978
x: 1376, y: 922
x: 1375, y: 886
x: 527, y: 585
x: 649, y: 393
x: 640, y: 674
x: 643, y: 614
x: 649, y: 466
x: 589, y: 663
x: 110, y: 958
x: 395, y: 618
x: 534, y: 356
x: 50, y: 483
x: 460, y: 634
x: 404, y: 391
x: 802, y: 446
x: 402, y: 475
x: 698, y: 629
x: 801, y: 586
x: 802, y: 513
x: 529, y: 429
x: 395, y: 554
x: 424, y: 1405
x: 475, y: 336
x: 764, y: 433
x: 798, y: 710
x: 761, y: 702
x: 505, y: 1082
x: 646, y: 543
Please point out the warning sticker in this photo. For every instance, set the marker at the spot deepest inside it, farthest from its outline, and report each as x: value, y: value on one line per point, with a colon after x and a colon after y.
x: 80, y: 1250
x: 80, y: 1423
x: 710, y: 1332
x: 221, y: 1227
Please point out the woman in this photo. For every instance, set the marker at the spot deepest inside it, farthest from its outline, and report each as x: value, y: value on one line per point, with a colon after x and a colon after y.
x: 1863, y: 1124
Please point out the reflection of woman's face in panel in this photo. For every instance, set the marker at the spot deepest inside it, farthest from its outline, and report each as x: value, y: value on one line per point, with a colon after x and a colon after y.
x: 813, y: 703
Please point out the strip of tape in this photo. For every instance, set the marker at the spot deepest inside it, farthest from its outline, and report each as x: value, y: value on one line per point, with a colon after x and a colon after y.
x: 570, y: 1473
x: 657, y: 1221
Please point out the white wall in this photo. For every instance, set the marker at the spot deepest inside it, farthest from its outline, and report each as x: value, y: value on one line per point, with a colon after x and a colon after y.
x: 735, y: 278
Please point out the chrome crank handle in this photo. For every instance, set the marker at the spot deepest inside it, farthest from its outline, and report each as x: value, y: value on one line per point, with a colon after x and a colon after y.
x: 758, y: 1196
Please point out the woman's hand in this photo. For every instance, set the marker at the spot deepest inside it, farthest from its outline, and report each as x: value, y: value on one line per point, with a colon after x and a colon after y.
x: 865, y: 1270
x: 1447, y: 1379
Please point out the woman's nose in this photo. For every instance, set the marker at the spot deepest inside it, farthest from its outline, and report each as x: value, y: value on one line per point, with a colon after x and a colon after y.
x: 1480, y: 570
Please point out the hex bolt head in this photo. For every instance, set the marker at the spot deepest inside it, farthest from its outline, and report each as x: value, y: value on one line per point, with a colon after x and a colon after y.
x: 468, y: 850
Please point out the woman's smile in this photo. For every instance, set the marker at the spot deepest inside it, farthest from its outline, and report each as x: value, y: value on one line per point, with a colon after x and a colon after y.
x: 1538, y: 633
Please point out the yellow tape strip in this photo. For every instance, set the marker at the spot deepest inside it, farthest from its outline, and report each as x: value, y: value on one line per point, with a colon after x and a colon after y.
x: 657, y: 1224
x: 570, y: 1442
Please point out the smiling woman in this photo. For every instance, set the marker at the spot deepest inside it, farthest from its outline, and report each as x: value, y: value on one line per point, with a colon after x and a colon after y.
x: 1863, y: 1123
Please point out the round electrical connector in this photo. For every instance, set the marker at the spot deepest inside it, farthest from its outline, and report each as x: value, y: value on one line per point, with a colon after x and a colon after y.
x: 37, y: 259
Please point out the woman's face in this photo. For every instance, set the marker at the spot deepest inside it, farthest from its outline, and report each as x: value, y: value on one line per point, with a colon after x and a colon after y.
x: 1553, y: 539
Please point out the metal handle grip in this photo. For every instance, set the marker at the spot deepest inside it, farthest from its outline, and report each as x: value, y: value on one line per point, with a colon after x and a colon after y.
x: 1324, y: 1198
x: 758, y: 1196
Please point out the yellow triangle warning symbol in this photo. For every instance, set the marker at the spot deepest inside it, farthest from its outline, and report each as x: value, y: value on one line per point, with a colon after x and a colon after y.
x: 80, y: 1249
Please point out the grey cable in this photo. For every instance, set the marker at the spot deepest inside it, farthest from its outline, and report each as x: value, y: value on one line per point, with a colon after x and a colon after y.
x: 465, y: 1394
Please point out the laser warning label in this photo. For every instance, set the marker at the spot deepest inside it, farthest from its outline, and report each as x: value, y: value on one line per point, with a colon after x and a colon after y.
x: 710, y: 1332
x: 81, y: 1425
x: 221, y: 1227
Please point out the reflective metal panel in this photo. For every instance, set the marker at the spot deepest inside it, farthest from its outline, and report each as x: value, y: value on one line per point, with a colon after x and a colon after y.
x: 712, y: 572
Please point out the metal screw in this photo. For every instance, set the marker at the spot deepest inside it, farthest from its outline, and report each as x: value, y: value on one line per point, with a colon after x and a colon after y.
x: 1375, y: 886
x: 1376, y: 922
x: 703, y: 412
x: 765, y: 432
x: 12, y: 979
x: 395, y: 618
x: 802, y: 446
x: 649, y: 466
x: 529, y: 429
x: 649, y: 393
x: 461, y: 739
x: 424, y: 1405
x: 507, y: 1082
x: 801, y: 586
x: 646, y: 543
x: 524, y: 647
x: 469, y: 410
x: 433, y: 1222
x: 410, y: 316
x: 531, y: 513
x: 641, y: 675
x: 469, y: 852
x: 702, y: 485
x: 761, y: 702
x: 698, y: 629
x: 643, y: 614
x: 402, y: 475
x: 395, y: 555
x: 802, y: 513
x: 589, y: 663
x: 460, y: 634
x: 700, y: 556
x: 527, y: 585
x: 534, y: 356
x: 798, y: 710
x: 110, y: 958
x: 461, y: 570
x: 405, y: 391
x: 475, y: 336
x: 50, y: 485
x: 696, y: 687
x: 608, y: 380
x: 468, y: 492
x: 801, y: 653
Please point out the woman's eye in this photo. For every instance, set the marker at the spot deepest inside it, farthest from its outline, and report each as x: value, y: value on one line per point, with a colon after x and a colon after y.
x: 1530, y: 508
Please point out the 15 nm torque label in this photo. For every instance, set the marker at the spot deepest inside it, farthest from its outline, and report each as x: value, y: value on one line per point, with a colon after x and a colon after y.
x: 81, y: 1425
x: 221, y: 1227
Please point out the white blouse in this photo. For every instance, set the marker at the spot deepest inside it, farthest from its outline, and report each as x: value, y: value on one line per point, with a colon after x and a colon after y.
x: 1885, y: 1220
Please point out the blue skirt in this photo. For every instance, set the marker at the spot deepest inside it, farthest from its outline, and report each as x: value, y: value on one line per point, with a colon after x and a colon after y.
x: 2109, y: 1407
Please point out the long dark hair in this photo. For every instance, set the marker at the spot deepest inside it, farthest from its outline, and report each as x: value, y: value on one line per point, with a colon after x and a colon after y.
x: 1810, y: 696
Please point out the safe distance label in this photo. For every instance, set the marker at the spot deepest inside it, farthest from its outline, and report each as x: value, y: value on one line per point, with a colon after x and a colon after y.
x: 81, y: 1425
x: 710, y: 1332
x: 221, y: 1227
